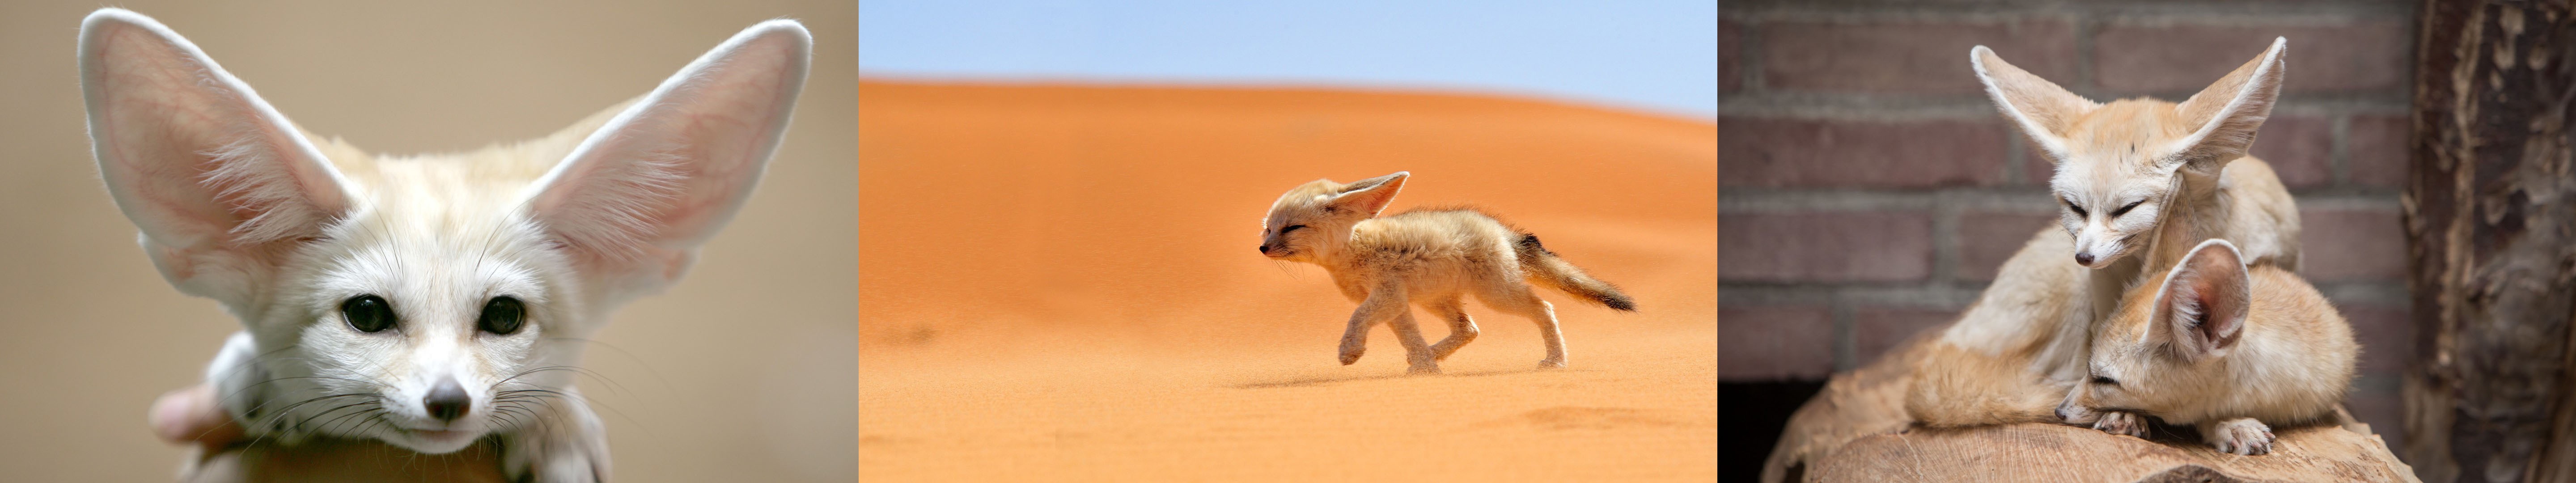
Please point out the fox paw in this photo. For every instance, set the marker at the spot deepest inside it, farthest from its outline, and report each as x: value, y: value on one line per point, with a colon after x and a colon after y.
x: 2121, y: 423
x: 1422, y: 369
x: 2243, y: 436
x: 571, y: 448
x: 1351, y: 353
x: 1552, y: 364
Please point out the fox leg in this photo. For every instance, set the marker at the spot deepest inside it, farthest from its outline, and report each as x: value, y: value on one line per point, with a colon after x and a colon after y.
x: 1386, y: 302
x: 1417, y: 355
x: 1529, y: 305
x: 563, y: 441
x: 1461, y: 329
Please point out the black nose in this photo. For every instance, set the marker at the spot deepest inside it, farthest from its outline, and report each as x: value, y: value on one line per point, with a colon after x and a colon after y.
x: 2061, y: 414
x: 1265, y: 249
x: 447, y: 401
x: 2083, y: 258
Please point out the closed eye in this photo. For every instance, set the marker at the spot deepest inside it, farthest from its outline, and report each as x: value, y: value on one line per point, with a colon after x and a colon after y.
x: 2125, y: 209
x: 2105, y: 380
x: 1290, y: 228
x: 2070, y: 205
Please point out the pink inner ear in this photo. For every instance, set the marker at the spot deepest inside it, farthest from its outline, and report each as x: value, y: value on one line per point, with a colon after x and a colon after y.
x: 652, y: 185
x: 193, y: 156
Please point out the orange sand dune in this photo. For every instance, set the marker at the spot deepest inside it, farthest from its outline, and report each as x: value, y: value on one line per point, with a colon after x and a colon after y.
x: 1054, y: 285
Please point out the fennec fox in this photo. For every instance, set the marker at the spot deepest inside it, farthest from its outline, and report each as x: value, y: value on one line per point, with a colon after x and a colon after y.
x: 2222, y: 346
x: 2134, y: 176
x: 428, y: 301
x: 2216, y: 344
x: 1430, y: 258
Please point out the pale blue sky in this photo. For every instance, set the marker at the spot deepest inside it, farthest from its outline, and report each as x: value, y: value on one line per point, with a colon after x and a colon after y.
x: 1654, y: 55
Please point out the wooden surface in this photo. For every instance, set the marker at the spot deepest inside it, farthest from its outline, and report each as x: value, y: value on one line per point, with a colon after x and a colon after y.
x: 1856, y: 430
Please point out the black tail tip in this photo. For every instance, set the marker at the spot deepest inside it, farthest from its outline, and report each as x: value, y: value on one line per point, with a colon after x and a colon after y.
x: 1619, y: 303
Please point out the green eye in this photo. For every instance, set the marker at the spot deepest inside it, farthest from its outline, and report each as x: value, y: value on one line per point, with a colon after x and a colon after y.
x: 368, y: 313
x: 503, y: 316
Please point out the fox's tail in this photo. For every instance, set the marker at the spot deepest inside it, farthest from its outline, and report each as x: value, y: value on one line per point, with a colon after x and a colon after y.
x: 1543, y: 266
x: 1957, y: 387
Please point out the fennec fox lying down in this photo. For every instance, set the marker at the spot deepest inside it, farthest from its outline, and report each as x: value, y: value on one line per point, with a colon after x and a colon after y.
x: 430, y: 301
x: 1433, y: 258
x: 2215, y: 344
x: 2222, y: 346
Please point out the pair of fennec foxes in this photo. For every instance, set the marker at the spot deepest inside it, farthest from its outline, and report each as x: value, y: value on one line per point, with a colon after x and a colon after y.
x: 2180, y: 303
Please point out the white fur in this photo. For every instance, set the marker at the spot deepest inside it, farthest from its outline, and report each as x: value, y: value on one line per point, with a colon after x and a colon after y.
x: 236, y: 204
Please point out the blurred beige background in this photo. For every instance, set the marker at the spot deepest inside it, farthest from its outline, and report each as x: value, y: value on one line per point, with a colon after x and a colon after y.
x: 742, y: 372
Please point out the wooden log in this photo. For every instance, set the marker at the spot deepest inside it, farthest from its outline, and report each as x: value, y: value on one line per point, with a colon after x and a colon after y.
x: 1856, y: 430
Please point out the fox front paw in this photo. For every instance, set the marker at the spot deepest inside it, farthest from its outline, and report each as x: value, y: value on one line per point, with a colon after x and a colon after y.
x: 572, y: 448
x: 2121, y: 423
x: 1351, y: 352
x: 2243, y: 436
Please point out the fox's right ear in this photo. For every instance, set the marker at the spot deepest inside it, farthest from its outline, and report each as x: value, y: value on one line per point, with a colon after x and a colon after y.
x: 1370, y: 195
x: 212, y: 175
x: 2042, y: 109
x: 2226, y: 114
x: 2201, y: 309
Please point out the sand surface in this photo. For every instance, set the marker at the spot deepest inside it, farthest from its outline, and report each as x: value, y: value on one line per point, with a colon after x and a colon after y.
x: 1054, y: 287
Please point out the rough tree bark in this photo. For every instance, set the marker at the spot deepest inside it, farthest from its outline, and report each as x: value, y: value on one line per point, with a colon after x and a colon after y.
x: 2488, y: 220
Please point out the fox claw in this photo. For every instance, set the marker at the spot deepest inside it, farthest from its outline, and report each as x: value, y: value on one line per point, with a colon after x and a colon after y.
x: 2241, y: 436
x: 2121, y: 423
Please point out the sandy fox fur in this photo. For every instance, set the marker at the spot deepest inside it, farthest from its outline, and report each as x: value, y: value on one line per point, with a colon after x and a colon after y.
x: 2139, y: 182
x: 2222, y: 346
x: 431, y: 301
x: 1432, y: 258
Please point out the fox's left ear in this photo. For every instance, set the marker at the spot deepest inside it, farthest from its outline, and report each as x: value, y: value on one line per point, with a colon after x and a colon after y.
x: 632, y: 202
x: 2228, y: 112
x: 1370, y: 195
x: 2201, y: 309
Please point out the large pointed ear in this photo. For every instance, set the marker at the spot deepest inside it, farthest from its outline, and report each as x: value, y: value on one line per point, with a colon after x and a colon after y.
x: 2201, y: 309
x: 2042, y: 109
x: 634, y: 200
x: 1369, y: 195
x: 215, y: 178
x: 2227, y: 113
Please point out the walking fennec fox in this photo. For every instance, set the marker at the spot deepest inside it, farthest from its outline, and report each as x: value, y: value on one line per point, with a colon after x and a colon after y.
x: 2133, y: 176
x: 428, y: 301
x: 1432, y: 258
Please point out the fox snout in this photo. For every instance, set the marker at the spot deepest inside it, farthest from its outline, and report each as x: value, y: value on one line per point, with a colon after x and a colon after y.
x: 447, y: 401
x: 2084, y: 258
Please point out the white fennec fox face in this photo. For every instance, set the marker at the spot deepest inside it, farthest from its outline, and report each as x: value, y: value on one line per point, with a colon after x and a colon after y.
x: 2118, y: 164
x: 1431, y: 258
x: 427, y: 301
x: 2222, y: 345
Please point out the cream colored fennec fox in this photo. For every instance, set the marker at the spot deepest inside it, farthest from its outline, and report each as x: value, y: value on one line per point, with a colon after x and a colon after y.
x: 2222, y: 346
x: 1433, y: 258
x: 2215, y: 344
x: 2133, y: 176
x: 428, y: 301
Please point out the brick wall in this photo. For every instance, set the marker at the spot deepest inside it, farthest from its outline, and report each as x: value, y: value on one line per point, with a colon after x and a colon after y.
x: 1869, y: 190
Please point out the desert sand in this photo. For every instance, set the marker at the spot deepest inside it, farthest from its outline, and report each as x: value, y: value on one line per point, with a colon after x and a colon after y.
x: 1054, y: 286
